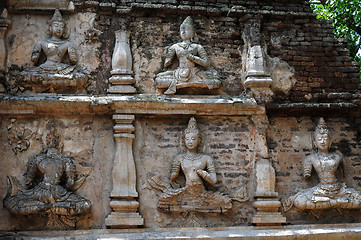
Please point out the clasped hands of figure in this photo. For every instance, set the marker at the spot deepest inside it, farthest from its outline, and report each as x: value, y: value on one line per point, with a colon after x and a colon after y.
x: 200, y: 173
x: 190, y: 56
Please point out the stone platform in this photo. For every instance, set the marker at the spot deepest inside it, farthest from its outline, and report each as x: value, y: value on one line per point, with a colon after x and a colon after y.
x: 317, y: 232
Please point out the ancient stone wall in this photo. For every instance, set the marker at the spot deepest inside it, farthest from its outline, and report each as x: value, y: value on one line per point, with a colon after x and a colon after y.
x: 321, y: 61
x: 280, y: 69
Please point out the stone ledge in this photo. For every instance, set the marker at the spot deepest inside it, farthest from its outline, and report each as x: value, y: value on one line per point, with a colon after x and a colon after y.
x: 51, y: 104
x: 316, y: 232
x: 330, y: 109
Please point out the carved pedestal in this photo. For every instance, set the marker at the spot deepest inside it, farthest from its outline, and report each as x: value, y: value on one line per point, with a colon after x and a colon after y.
x: 4, y: 25
x: 267, y: 203
x: 123, y: 196
x: 122, y: 75
x: 266, y: 198
x: 256, y: 78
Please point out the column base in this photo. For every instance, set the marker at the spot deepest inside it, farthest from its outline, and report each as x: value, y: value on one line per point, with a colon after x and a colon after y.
x: 267, y: 212
x: 122, y: 89
x: 260, y: 87
x: 124, y: 220
x: 268, y: 218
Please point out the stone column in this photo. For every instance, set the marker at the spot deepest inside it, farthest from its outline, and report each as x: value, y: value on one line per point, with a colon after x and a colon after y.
x: 124, y: 195
x: 4, y: 25
x: 122, y: 75
x: 266, y: 198
x: 256, y: 78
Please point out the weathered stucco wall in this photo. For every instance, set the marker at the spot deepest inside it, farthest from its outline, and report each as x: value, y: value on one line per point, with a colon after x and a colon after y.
x: 220, y: 36
x: 290, y: 140
x: 89, y: 141
x: 324, y: 76
x: 228, y: 140
x: 321, y: 62
x: 28, y: 29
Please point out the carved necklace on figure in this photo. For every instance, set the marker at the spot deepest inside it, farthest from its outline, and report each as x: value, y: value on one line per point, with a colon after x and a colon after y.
x: 185, y: 45
x: 324, y: 159
x: 193, y: 157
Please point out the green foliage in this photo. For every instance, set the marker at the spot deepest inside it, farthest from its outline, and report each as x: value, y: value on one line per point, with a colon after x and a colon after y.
x: 346, y: 19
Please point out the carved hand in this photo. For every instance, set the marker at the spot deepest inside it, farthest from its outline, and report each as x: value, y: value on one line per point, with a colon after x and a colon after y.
x: 202, y: 173
x: 191, y: 57
x: 173, y: 177
x: 307, y: 175
x: 35, y: 57
x: 167, y: 62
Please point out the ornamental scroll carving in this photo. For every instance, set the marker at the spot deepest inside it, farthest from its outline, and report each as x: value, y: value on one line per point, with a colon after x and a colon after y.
x: 19, y: 136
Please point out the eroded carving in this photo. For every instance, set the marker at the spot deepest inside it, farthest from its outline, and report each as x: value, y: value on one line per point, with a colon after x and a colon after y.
x: 19, y: 136
x: 51, y: 180
x: 197, y: 167
x: 92, y: 34
x: 192, y: 59
x: 263, y: 75
x: 329, y: 193
x: 54, y: 74
x: 5, y: 23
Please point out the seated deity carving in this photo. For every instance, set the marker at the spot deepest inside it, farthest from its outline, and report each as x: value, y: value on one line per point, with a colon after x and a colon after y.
x: 197, y: 168
x: 51, y: 180
x: 329, y: 193
x: 55, y: 73
x: 193, y: 61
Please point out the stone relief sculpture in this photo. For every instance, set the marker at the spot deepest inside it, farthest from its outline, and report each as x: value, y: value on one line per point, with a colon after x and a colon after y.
x: 51, y: 180
x: 192, y: 58
x: 197, y: 167
x: 329, y: 193
x: 19, y: 136
x: 54, y: 74
x: 5, y: 23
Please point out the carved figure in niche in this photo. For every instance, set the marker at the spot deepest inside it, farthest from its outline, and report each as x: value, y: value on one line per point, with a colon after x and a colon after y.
x: 329, y: 193
x: 197, y: 167
x: 55, y: 72
x: 51, y: 180
x: 192, y: 58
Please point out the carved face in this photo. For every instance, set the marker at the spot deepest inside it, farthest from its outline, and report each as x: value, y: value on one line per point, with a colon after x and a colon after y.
x: 186, y: 32
x: 57, y: 28
x: 191, y: 140
x: 323, y: 142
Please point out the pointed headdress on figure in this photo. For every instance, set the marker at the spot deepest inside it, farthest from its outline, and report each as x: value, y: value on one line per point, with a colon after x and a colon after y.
x: 188, y: 22
x: 57, y: 17
x: 192, y: 127
x: 321, y: 127
x: 54, y: 140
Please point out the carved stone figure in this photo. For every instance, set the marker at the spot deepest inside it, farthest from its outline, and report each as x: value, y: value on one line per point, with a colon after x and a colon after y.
x: 51, y: 180
x: 54, y: 73
x: 197, y: 167
x: 192, y: 58
x: 329, y: 193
